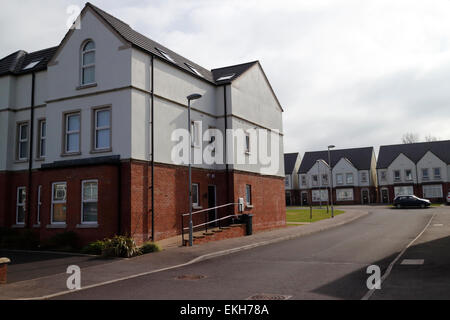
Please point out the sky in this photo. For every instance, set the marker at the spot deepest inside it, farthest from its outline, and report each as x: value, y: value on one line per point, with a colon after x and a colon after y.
x: 352, y: 73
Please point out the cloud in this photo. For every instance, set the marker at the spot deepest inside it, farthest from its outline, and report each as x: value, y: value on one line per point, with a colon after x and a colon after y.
x: 351, y: 73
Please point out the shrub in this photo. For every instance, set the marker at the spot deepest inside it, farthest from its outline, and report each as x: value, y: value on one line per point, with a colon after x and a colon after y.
x: 95, y: 248
x: 120, y: 246
x: 149, y: 247
x: 66, y: 241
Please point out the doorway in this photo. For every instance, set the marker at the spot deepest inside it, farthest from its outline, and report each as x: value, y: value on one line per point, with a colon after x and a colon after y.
x: 384, y: 196
x: 365, y: 196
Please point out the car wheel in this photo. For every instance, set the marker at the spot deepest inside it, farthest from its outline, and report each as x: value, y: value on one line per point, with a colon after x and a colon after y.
x: 398, y: 206
x: 422, y: 206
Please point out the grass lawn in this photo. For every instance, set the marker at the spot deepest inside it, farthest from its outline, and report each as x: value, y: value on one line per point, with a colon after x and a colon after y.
x: 303, y: 215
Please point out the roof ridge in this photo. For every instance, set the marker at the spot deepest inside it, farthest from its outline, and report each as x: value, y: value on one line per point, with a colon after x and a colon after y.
x: 414, y: 143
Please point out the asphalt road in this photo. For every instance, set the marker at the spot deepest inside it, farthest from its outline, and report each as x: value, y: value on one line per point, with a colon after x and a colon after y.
x: 328, y: 265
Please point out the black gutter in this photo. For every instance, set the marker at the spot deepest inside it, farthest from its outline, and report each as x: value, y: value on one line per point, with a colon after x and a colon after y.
x: 30, y: 152
x: 119, y: 198
x: 225, y: 140
x: 153, y: 148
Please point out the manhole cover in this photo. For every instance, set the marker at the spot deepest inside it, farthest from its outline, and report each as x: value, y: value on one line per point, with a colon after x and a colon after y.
x: 265, y: 296
x: 191, y: 277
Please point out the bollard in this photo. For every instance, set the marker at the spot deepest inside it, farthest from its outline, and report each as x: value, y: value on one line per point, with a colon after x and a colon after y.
x: 3, y: 270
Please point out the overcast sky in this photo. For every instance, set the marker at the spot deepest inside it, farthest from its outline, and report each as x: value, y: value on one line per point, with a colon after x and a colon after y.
x: 351, y: 73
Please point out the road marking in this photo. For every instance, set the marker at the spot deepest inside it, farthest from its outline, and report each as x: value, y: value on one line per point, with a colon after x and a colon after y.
x: 412, y: 262
x: 391, y: 266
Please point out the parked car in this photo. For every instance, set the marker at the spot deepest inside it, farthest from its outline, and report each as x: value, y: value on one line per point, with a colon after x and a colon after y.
x: 448, y: 198
x: 411, y: 201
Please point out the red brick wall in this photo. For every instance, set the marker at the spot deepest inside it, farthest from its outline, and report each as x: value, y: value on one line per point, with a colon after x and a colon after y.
x: 268, y: 199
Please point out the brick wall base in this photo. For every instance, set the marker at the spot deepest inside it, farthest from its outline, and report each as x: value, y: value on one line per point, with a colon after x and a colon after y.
x: 234, y: 231
x: 3, y: 273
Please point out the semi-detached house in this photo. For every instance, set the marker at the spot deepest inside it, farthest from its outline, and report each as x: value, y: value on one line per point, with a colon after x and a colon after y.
x: 86, y: 128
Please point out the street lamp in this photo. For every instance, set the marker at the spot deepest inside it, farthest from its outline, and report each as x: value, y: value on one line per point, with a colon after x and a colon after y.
x: 331, y: 180
x: 194, y: 96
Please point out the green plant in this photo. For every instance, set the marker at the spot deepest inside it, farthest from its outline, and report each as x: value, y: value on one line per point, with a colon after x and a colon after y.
x: 149, y: 247
x: 120, y: 246
x: 66, y: 241
x: 95, y: 248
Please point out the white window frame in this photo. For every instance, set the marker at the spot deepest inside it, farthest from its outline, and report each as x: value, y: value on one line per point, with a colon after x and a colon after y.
x: 406, y: 175
x: 347, y: 176
x: 96, y: 128
x: 341, y: 176
x: 21, y: 204
x: 325, y: 179
x: 20, y: 140
x: 42, y: 138
x: 364, y: 176
x: 340, y: 191
x: 196, y: 202
x: 53, y: 202
x: 196, y: 138
x: 86, y: 66
x: 437, y: 177
x: 39, y: 204
x: 248, y: 194
x: 303, y: 180
x: 427, y: 176
x: 399, y: 176
x: 287, y: 182
x: 383, y: 174
x: 88, y: 201
x: 434, y: 187
x: 314, y: 180
x: 247, y: 143
x: 67, y: 132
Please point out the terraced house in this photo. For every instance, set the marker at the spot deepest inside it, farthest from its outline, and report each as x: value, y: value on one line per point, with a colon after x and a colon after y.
x: 86, y: 136
x: 422, y: 169
x: 353, y: 176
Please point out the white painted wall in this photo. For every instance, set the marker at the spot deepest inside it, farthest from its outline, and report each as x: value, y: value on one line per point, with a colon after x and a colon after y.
x: 343, y: 167
x: 401, y: 163
x: 430, y: 161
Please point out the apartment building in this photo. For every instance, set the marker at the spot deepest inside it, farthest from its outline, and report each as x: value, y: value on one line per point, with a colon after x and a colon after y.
x: 86, y: 136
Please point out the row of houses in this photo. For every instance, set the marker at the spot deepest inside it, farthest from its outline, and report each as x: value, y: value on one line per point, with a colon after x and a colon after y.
x: 86, y: 136
x: 358, y: 177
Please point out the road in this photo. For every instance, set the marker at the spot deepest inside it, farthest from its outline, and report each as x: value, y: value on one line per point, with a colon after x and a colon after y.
x: 328, y: 265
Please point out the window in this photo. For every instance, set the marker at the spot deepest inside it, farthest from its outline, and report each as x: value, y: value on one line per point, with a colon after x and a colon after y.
x: 303, y: 180
x: 89, y: 201
x: 319, y: 195
x: 20, y: 205
x: 42, y: 136
x: 315, y: 180
x: 425, y: 174
x: 22, y: 141
x: 248, y: 194
x: 193, y: 70
x: 196, y: 133
x: 59, y: 197
x: 364, y: 177
x: 165, y: 55
x: 72, y: 134
x: 432, y: 191
x: 344, y: 194
x: 31, y: 65
x: 339, y: 178
x: 408, y: 175
x: 195, y: 193
x: 383, y: 175
x: 349, y: 178
x: 39, y: 204
x: 403, y: 191
x: 325, y: 179
x: 247, y: 142
x: 287, y: 181
x: 102, y: 128
x: 397, y: 175
x: 88, y: 63
x: 227, y: 77
x: 437, y: 173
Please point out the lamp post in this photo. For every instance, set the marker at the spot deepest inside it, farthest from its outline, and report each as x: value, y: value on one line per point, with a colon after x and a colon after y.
x: 191, y: 97
x: 331, y: 180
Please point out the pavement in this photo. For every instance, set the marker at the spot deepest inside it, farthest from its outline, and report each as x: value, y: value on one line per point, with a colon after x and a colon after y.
x: 47, y: 279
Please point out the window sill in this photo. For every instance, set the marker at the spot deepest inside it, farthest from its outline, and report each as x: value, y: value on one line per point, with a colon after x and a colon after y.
x: 20, y: 161
x: 37, y: 225
x: 87, y: 86
x: 249, y: 206
x: 56, y: 226
x: 18, y: 226
x: 101, y: 151
x: 72, y: 154
x: 87, y: 226
x: 197, y: 207
x: 39, y: 159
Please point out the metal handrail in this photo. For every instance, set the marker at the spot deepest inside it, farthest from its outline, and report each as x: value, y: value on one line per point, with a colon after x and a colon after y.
x: 206, y: 219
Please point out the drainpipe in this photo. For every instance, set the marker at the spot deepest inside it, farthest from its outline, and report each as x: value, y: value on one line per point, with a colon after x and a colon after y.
x: 225, y: 140
x: 30, y: 152
x: 153, y: 147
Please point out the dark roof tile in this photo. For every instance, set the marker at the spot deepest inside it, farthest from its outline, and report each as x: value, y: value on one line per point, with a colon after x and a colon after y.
x: 289, y: 162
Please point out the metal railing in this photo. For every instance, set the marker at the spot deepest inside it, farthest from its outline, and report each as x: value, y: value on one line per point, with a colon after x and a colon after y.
x: 207, y: 222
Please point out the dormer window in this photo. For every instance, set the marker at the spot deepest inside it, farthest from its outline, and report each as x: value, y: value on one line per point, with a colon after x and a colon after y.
x: 88, y: 63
